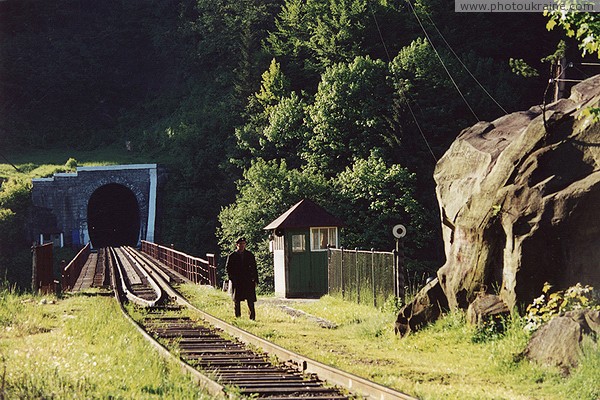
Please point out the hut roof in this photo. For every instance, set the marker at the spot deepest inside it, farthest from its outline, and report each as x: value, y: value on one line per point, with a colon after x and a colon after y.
x: 305, y: 214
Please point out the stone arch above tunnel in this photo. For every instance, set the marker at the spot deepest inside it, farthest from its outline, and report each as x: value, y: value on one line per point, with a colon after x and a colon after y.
x: 113, y: 216
x: 61, y: 202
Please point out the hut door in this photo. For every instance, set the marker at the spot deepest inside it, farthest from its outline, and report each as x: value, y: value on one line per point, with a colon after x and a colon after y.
x: 298, y: 264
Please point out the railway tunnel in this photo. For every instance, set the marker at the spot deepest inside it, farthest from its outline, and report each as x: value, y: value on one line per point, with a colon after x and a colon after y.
x: 106, y: 205
x: 113, y: 216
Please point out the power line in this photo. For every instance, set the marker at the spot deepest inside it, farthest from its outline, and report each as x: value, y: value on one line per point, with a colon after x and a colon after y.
x: 381, y: 36
x: 10, y: 163
x: 441, y: 61
x: 464, y: 66
x: 405, y: 95
x: 421, y: 131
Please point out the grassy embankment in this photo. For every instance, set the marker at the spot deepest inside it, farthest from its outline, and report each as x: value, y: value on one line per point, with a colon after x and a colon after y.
x: 449, y: 360
x: 42, y: 163
x: 81, y: 347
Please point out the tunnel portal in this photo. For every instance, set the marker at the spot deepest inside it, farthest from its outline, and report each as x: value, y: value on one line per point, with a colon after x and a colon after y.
x: 113, y: 216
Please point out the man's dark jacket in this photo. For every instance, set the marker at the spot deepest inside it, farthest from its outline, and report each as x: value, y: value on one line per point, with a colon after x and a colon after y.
x: 241, y: 268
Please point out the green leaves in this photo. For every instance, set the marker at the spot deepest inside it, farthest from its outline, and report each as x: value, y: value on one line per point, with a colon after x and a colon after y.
x: 15, y: 199
x: 15, y: 195
x: 318, y: 34
x: 376, y: 196
x: 551, y: 304
x: 274, y: 86
x: 350, y: 116
x: 583, y: 26
x: 520, y: 67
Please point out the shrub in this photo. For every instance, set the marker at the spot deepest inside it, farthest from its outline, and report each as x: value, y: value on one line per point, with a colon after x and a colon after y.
x: 71, y: 163
x: 549, y: 305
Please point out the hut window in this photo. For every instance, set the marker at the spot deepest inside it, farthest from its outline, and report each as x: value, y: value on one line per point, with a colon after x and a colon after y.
x: 320, y: 238
x: 298, y: 243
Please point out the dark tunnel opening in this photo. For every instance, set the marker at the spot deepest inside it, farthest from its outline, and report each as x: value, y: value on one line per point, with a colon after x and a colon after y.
x: 113, y: 216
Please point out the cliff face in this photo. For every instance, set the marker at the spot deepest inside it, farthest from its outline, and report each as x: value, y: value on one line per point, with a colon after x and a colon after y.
x: 520, y: 202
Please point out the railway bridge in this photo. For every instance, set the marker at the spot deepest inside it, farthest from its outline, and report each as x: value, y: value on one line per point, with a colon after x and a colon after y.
x: 105, y: 205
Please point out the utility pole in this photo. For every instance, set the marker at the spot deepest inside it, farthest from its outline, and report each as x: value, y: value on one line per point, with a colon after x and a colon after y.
x: 560, y: 74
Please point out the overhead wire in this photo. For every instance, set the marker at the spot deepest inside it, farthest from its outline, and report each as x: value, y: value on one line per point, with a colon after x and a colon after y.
x: 463, y: 64
x: 407, y: 101
x: 441, y: 61
x: 10, y: 163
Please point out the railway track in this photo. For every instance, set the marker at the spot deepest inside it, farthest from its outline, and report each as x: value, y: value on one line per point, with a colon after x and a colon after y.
x: 222, y: 357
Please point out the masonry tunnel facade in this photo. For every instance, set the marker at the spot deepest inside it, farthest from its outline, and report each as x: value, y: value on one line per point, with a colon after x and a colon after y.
x: 113, y: 216
x: 102, y: 205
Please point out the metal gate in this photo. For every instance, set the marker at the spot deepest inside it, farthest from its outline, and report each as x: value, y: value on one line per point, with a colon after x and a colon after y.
x: 42, y: 279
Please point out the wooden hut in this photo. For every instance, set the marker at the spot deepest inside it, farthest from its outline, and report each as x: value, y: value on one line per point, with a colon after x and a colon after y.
x: 299, y: 241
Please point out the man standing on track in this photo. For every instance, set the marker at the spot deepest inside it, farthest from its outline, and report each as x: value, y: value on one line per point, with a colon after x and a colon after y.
x: 241, y: 268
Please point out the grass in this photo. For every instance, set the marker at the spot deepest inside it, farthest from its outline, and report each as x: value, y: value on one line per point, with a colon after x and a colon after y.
x: 79, y: 347
x: 36, y: 163
x: 441, y: 362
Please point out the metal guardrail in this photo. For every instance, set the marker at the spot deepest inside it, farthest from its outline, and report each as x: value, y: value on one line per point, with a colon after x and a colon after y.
x: 195, y: 269
x: 71, y: 272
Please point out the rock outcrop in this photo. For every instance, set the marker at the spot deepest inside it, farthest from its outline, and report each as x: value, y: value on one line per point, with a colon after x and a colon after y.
x: 559, y: 342
x: 484, y: 308
x: 427, y: 306
x: 520, y: 203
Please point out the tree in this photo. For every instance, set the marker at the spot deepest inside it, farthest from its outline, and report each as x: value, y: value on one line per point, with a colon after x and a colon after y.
x: 373, y: 196
x: 229, y: 36
x: 286, y: 131
x: 251, y: 135
x: 310, y: 36
x: 15, y: 200
x: 350, y: 116
x: 267, y: 190
x: 274, y: 86
x: 583, y: 26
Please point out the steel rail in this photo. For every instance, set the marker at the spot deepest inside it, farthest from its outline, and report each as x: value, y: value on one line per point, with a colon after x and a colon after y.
x: 128, y: 290
x: 142, y: 264
x: 171, y: 276
x: 330, y: 374
x: 212, y: 387
x: 244, y: 372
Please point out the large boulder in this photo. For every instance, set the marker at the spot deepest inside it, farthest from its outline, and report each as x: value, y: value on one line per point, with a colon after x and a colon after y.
x: 519, y: 202
x: 427, y: 306
x: 559, y: 342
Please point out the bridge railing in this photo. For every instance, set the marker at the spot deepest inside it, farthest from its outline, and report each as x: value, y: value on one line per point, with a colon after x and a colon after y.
x: 71, y: 272
x: 195, y: 269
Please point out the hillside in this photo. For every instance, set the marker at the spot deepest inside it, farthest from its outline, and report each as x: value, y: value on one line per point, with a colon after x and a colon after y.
x: 254, y: 105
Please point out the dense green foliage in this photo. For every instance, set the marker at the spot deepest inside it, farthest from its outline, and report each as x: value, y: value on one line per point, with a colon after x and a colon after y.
x: 585, y: 26
x: 15, y: 199
x: 253, y: 105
